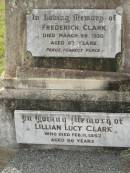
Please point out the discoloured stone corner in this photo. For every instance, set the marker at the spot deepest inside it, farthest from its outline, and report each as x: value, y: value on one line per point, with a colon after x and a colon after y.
x: 7, y: 131
x: 5, y: 155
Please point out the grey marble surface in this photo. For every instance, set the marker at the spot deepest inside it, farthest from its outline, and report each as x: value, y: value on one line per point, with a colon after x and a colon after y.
x: 74, y: 33
x: 72, y: 128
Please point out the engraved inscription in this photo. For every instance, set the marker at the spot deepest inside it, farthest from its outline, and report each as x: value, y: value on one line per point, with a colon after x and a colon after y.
x: 73, y: 128
x: 74, y: 33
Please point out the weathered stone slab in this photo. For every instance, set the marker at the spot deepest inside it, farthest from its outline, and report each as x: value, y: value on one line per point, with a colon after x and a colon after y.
x: 74, y: 33
x: 73, y: 128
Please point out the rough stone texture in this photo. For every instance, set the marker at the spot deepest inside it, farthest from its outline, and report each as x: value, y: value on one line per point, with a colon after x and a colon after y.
x: 64, y: 84
x: 25, y: 72
x: 5, y: 156
x: 17, y: 54
x: 56, y: 161
x: 7, y: 133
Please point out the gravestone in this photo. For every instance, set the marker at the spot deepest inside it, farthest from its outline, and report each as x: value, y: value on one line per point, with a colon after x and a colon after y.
x: 66, y: 81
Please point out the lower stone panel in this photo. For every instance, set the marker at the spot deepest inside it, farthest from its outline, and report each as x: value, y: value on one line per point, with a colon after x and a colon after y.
x: 55, y: 100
